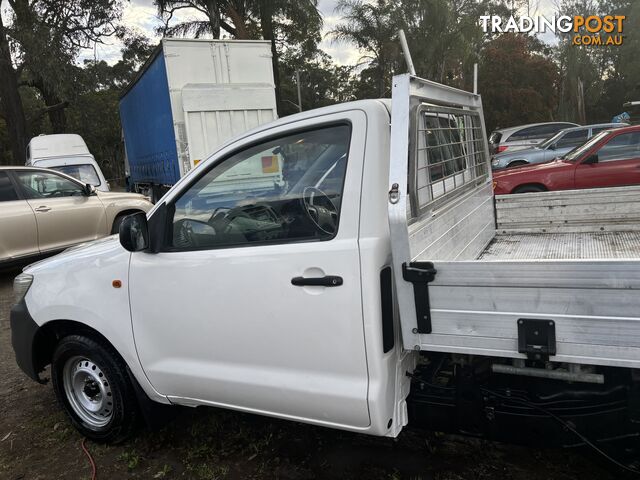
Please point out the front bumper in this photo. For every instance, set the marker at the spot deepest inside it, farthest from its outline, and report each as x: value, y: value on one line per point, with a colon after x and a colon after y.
x: 23, y: 333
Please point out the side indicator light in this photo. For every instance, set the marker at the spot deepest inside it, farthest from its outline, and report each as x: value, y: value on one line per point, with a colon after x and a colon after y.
x: 116, y: 284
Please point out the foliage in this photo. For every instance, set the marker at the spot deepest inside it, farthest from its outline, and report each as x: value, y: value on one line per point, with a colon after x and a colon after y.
x: 511, y: 94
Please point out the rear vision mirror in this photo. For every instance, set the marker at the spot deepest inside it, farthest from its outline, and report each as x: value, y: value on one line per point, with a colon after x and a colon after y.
x: 591, y: 159
x: 134, y: 232
x: 89, y: 189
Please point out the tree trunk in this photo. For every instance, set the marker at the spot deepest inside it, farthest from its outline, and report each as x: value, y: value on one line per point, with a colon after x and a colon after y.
x: 214, y: 18
x: 268, y: 33
x: 10, y: 101
x: 57, y: 115
x: 239, y: 22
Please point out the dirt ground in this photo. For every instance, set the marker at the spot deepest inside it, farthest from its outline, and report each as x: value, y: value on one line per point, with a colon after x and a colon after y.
x: 37, y: 442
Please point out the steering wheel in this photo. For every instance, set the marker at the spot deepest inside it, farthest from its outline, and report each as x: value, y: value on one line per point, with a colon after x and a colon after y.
x: 320, y: 209
x: 194, y: 233
x: 53, y: 193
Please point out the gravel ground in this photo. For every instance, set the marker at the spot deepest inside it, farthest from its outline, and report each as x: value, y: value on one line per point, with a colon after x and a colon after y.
x: 37, y: 442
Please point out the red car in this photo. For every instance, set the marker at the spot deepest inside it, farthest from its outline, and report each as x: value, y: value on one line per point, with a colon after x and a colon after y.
x: 609, y: 159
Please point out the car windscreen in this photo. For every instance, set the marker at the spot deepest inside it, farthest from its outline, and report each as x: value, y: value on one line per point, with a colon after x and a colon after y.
x: 551, y: 140
x: 577, y: 152
x: 85, y: 173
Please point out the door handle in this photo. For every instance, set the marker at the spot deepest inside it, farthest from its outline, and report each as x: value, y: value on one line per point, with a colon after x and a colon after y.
x: 43, y: 208
x: 327, y: 281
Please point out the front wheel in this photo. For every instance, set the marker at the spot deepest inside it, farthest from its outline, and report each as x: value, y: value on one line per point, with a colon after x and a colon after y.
x: 92, y: 385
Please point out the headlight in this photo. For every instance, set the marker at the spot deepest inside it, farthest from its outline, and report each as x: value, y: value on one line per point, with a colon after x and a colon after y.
x: 21, y: 286
x: 495, y: 162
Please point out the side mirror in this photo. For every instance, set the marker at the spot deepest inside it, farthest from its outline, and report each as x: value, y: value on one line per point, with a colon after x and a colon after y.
x: 134, y: 232
x: 89, y: 189
x: 553, y: 146
x: 591, y: 159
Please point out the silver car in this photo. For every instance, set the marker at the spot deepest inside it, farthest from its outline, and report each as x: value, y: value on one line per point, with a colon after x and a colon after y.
x: 524, y: 136
x: 561, y: 143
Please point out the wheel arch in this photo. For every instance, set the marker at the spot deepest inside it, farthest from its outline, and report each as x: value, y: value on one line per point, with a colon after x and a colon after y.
x: 48, y: 336
x: 542, y: 186
x: 518, y: 162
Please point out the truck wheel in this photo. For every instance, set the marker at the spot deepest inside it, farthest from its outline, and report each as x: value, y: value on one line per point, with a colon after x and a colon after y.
x: 91, y: 384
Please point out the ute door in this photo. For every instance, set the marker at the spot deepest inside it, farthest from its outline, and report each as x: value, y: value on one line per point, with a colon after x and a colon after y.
x: 440, y: 195
x: 65, y: 215
x: 618, y: 163
x: 254, y: 302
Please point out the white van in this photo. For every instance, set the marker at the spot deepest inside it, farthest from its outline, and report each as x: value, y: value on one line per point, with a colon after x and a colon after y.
x: 67, y: 153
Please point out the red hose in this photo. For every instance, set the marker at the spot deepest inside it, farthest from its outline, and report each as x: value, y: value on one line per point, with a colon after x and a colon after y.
x: 93, y: 464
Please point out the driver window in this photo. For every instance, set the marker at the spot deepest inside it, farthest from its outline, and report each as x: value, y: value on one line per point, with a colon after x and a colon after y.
x: 39, y: 184
x: 285, y: 189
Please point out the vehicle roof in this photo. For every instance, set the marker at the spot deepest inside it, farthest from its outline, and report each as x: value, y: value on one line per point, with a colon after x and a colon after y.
x: 160, y: 47
x: 593, y: 125
x: 518, y: 127
x: 630, y: 128
x: 56, y: 145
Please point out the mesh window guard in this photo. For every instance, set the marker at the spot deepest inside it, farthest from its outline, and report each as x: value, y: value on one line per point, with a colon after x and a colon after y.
x: 450, y: 156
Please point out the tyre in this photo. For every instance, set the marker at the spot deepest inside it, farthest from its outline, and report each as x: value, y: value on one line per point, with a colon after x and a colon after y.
x: 92, y: 386
x: 529, y: 189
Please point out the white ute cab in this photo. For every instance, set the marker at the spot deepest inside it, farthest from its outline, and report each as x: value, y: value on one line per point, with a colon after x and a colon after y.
x: 366, y: 286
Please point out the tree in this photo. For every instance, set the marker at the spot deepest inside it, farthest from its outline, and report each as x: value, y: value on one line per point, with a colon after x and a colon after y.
x: 518, y: 84
x: 373, y: 28
x: 46, y: 36
x: 11, y: 109
x: 322, y: 82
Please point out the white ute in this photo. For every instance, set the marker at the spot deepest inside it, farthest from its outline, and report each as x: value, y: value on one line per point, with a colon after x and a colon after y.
x: 367, y: 286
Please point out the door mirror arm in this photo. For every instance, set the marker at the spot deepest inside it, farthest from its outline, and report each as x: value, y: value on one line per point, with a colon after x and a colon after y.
x: 591, y: 159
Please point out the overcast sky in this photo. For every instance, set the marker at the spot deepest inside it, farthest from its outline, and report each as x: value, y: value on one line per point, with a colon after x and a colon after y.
x: 142, y: 15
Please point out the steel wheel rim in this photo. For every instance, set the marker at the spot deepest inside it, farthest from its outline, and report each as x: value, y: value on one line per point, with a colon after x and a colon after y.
x: 88, y: 391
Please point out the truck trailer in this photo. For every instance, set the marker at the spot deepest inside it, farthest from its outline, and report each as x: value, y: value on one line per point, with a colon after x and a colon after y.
x: 379, y: 286
x: 189, y: 98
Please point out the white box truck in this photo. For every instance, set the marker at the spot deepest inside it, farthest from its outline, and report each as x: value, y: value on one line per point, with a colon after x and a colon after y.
x: 375, y: 287
x: 188, y: 99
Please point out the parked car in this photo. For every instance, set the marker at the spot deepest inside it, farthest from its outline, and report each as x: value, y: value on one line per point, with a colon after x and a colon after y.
x: 353, y: 294
x: 44, y: 211
x: 609, y: 159
x: 524, y: 136
x: 67, y: 153
x: 562, y: 142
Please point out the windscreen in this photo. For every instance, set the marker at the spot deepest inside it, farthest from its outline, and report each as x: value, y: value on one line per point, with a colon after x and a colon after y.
x: 577, y: 152
x: 86, y: 173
